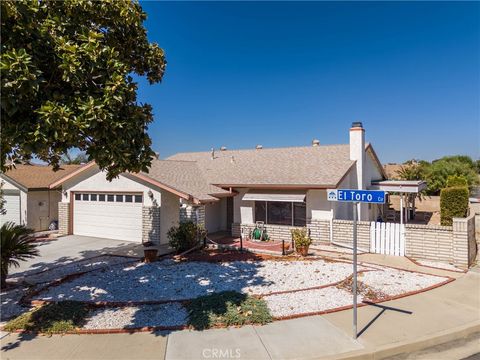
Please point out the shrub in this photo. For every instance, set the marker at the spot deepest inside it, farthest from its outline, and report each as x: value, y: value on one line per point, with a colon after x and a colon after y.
x: 185, y: 236
x: 16, y: 244
x: 228, y: 308
x: 53, y: 318
x: 453, y: 203
x: 301, y: 238
x: 457, y: 180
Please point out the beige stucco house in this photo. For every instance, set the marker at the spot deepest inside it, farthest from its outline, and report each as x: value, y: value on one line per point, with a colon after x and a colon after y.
x: 226, y: 190
x: 28, y: 198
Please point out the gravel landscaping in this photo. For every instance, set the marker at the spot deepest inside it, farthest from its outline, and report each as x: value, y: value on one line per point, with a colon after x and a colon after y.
x: 395, y: 282
x: 61, y: 271
x: 171, y: 314
x: 308, y: 301
x: 167, y: 280
x: 10, y: 299
x: 127, y: 280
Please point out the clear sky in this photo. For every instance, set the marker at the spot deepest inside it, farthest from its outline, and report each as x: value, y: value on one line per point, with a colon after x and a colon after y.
x: 283, y: 73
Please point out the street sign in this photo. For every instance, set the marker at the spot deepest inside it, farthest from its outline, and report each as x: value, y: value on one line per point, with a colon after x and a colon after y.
x: 353, y: 195
x: 356, y: 196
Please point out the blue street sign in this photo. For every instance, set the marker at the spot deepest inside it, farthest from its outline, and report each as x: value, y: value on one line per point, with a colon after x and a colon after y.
x: 353, y: 195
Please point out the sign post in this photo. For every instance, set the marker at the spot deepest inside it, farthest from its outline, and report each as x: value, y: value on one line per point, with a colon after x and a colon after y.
x: 355, y: 197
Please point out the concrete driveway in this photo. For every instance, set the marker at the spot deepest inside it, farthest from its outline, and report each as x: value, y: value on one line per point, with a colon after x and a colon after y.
x: 66, y: 249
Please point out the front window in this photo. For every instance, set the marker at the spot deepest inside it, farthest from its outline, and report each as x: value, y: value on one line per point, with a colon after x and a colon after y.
x: 281, y: 213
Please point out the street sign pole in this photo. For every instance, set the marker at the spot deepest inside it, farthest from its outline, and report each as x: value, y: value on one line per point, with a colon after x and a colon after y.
x: 355, y: 196
x: 354, y: 285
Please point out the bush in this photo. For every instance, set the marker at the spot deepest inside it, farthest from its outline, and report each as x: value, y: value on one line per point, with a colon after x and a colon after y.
x: 228, y: 308
x: 53, y: 318
x: 301, y: 238
x: 16, y: 244
x: 453, y: 203
x: 457, y: 180
x: 185, y: 236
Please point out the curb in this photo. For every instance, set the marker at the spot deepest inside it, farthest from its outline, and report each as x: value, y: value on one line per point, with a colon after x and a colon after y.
x: 405, y: 347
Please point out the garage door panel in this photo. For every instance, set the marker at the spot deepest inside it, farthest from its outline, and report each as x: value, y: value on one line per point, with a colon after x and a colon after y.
x: 12, y: 208
x: 113, y: 220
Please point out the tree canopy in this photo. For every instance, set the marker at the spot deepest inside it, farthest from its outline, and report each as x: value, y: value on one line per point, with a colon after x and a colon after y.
x: 66, y: 72
x: 437, y: 173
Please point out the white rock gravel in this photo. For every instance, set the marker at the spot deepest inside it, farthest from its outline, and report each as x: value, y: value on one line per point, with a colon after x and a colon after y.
x: 395, y: 282
x: 61, y: 271
x: 308, y: 301
x: 10, y: 303
x: 167, y: 280
x: 170, y: 314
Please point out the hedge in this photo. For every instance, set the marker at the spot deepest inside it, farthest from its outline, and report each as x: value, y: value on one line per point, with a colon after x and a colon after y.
x: 456, y: 180
x: 453, y: 203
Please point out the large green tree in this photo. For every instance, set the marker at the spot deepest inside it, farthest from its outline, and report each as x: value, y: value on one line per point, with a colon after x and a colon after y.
x: 66, y: 82
x: 438, y: 171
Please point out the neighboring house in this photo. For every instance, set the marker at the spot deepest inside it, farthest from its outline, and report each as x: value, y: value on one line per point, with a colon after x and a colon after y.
x: 393, y: 170
x: 224, y: 190
x: 28, y: 198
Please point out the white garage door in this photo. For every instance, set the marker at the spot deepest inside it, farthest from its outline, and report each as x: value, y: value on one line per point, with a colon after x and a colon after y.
x: 111, y: 216
x: 12, y: 208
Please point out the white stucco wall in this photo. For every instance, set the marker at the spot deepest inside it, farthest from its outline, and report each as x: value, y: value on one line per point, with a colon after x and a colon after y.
x: 215, y: 217
x: 42, y: 208
x: 169, y: 214
x: 243, y: 211
x: 94, y: 180
x: 318, y: 207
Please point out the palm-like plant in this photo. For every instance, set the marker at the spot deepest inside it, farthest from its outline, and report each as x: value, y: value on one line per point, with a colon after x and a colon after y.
x: 17, y: 244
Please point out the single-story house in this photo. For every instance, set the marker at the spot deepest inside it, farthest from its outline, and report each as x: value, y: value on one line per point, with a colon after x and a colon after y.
x: 226, y: 190
x: 29, y: 200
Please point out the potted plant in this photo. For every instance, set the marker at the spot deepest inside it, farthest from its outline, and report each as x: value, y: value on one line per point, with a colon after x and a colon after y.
x: 149, y: 251
x: 301, y: 240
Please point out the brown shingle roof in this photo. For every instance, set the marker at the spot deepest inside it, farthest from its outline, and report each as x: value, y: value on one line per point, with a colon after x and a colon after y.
x: 392, y: 170
x: 38, y: 176
x: 184, y: 176
x: 294, y: 166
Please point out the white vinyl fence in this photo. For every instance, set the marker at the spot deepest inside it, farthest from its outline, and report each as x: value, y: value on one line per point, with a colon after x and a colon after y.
x: 387, y: 238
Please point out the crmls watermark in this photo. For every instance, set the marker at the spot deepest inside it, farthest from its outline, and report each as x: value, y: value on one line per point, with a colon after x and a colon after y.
x: 216, y: 353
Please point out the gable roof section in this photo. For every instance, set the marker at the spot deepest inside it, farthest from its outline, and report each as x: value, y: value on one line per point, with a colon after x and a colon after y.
x: 184, y: 176
x: 38, y: 177
x: 313, y: 166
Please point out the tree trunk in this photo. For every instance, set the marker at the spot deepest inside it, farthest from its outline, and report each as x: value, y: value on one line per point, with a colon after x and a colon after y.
x: 3, y: 280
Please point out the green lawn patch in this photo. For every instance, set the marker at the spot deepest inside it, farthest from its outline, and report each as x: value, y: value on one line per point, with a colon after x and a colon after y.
x: 51, y: 318
x: 228, y: 308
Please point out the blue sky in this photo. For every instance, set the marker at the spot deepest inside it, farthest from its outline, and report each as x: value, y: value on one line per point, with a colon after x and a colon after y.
x: 283, y: 73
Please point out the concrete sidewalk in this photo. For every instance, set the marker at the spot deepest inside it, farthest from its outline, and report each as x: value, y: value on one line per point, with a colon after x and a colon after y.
x: 440, y: 315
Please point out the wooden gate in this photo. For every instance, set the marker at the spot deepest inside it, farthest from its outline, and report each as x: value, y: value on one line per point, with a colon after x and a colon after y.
x: 387, y: 238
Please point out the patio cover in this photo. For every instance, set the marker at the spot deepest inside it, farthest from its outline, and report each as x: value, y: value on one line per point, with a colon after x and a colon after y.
x: 275, y: 196
x: 400, y: 186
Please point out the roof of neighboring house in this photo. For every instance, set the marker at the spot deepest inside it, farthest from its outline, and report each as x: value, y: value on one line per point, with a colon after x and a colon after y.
x: 33, y: 176
x: 312, y: 166
x: 392, y: 170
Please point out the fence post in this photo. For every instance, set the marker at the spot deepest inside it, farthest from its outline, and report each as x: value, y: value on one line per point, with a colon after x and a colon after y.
x: 283, y: 247
x: 241, y: 243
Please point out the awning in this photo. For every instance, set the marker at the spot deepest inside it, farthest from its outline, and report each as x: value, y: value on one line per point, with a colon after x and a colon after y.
x: 265, y: 196
x: 401, y: 186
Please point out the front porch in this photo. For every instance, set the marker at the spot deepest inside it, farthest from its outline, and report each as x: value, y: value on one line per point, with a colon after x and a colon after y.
x: 224, y: 240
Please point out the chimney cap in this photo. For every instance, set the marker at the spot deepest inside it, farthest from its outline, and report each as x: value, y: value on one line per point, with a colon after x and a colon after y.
x: 259, y: 146
x: 315, y: 142
x: 357, y: 124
